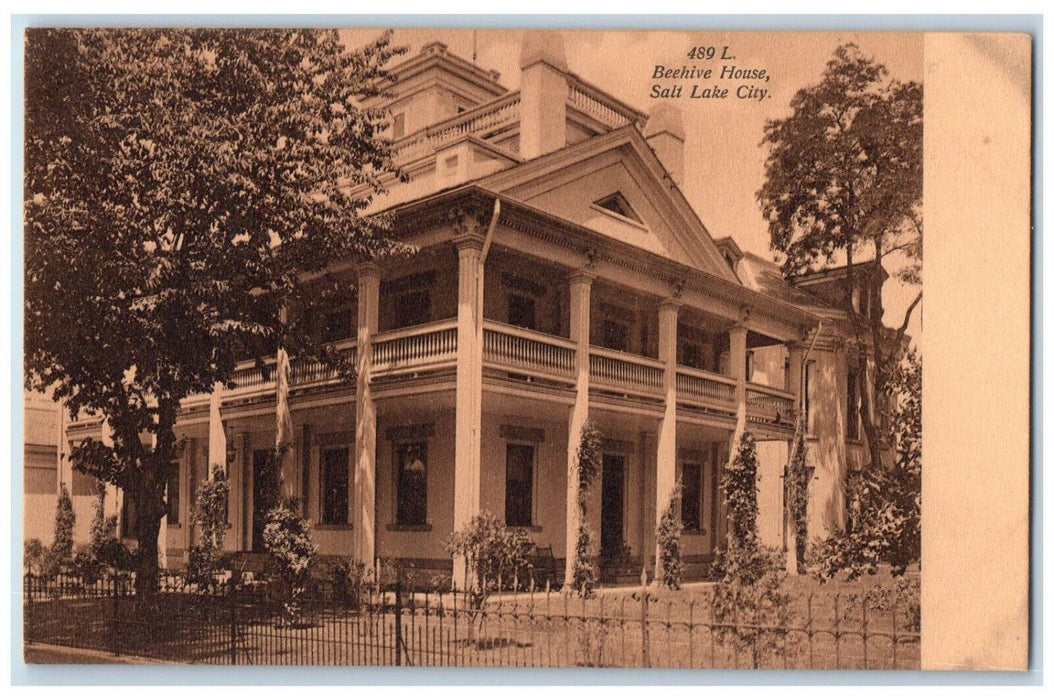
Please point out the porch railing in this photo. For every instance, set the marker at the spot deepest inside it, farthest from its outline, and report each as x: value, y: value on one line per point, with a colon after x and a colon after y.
x: 706, y: 389
x: 418, y: 348
x: 530, y: 352
x: 611, y: 370
x: 769, y: 405
x: 249, y: 377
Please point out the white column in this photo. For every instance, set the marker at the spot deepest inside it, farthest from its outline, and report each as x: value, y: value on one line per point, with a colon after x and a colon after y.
x: 666, y: 452
x: 364, y: 514
x: 581, y: 286
x: 737, y: 369
x: 469, y: 391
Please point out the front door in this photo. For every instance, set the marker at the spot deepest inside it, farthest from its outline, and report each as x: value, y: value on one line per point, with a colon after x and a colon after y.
x: 265, y: 493
x: 612, y: 499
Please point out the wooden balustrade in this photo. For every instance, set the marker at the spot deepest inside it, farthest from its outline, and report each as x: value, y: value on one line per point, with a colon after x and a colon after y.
x: 610, y: 369
x: 520, y: 349
x: 416, y: 347
x: 768, y: 404
x: 701, y: 387
x: 481, y: 121
x: 595, y: 104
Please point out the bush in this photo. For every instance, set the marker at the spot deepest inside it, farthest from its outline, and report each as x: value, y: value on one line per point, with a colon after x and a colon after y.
x: 210, y: 518
x: 494, y: 554
x: 65, y: 519
x: 287, y: 538
x: 104, y: 549
x: 584, y: 571
x: 350, y: 580
x: 33, y: 557
x: 668, y: 536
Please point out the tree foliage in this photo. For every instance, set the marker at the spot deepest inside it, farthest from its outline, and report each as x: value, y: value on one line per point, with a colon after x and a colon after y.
x: 65, y: 520
x: 590, y: 462
x: 178, y: 185
x: 886, y: 502
x: 843, y: 181
x: 668, y: 536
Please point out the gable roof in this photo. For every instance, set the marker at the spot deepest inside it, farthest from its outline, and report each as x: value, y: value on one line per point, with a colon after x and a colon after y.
x: 627, y: 145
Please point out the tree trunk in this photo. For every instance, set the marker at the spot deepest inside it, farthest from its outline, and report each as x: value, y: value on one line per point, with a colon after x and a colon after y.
x: 148, y: 525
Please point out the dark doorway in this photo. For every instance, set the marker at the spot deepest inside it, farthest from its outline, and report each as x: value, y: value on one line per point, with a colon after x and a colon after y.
x: 265, y: 493
x: 612, y: 499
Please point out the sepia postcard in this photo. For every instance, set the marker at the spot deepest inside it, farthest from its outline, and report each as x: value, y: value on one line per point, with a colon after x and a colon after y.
x: 527, y: 348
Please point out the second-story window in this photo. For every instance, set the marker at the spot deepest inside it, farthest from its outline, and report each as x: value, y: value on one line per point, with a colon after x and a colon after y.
x: 413, y: 308
x: 522, y: 311
x: 807, y: 394
x: 399, y: 125
x: 336, y: 325
x: 615, y: 335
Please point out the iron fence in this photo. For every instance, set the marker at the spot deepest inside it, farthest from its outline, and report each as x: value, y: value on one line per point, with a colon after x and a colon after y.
x: 259, y: 622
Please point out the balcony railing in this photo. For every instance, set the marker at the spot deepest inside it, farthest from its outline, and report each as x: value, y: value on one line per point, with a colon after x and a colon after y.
x: 528, y: 352
x: 611, y: 370
x: 766, y: 404
x: 250, y: 377
x: 427, y: 347
x: 481, y: 121
x: 706, y: 390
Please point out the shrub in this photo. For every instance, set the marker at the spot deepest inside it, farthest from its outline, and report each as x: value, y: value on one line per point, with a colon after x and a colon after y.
x: 65, y: 519
x: 798, y: 494
x: 210, y: 518
x: 350, y: 580
x: 668, y: 536
x: 287, y: 538
x: 493, y: 553
x: 33, y: 556
x: 104, y: 549
x: 584, y: 572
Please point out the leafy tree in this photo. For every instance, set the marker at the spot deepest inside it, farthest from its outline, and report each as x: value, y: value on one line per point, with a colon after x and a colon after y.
x: 65, y: 519
x: 886, y: 523
x: 179, y: 184
x: 843, y: 179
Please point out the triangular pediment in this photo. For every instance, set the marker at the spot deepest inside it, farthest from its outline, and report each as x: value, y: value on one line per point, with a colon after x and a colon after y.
x: 614, y: 185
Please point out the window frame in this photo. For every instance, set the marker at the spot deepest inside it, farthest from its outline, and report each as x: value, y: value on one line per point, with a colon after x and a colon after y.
x: 323, y: 490
x: 398, y: 446
x: 853, y: 407
x: 533, y: 503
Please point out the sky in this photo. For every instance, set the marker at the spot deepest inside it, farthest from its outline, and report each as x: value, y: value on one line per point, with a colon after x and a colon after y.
x: 724, y: 161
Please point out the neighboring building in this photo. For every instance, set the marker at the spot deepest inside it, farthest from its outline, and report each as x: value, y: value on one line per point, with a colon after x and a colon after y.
x: 598, y: 295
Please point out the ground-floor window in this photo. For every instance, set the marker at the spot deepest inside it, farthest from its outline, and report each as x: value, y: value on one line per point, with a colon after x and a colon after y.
x: 692, y: 496
x: 334, y: 463
x: 519, y: 484
x: 172, y: 494
x: 412, y: 483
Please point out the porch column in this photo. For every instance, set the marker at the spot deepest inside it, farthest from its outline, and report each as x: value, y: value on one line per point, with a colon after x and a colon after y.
x: 666, y: 453
x: 581, y: 286
x: 364, y: 513
x: 737, y: 366
x: 796, y: 355
x: 469, y: 391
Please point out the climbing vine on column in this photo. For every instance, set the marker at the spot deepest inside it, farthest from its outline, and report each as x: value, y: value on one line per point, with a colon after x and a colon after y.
x: 590, y: 459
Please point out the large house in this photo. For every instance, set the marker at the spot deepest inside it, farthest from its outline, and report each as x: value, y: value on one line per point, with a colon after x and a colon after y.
x: 562, y: 278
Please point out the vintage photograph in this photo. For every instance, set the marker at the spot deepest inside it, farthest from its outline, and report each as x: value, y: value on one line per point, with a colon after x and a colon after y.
x: 473, y: 348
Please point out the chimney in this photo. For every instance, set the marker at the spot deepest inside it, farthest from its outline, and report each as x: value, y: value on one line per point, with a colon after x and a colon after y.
x: 665, y: 135
x: 543, y: 94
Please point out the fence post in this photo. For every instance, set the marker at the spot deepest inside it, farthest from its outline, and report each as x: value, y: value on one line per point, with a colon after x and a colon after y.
x: 115, y: 624
x: 233, y: 604
x: 645, y: 655
x: 399, y: 617
x: 28, y: 592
